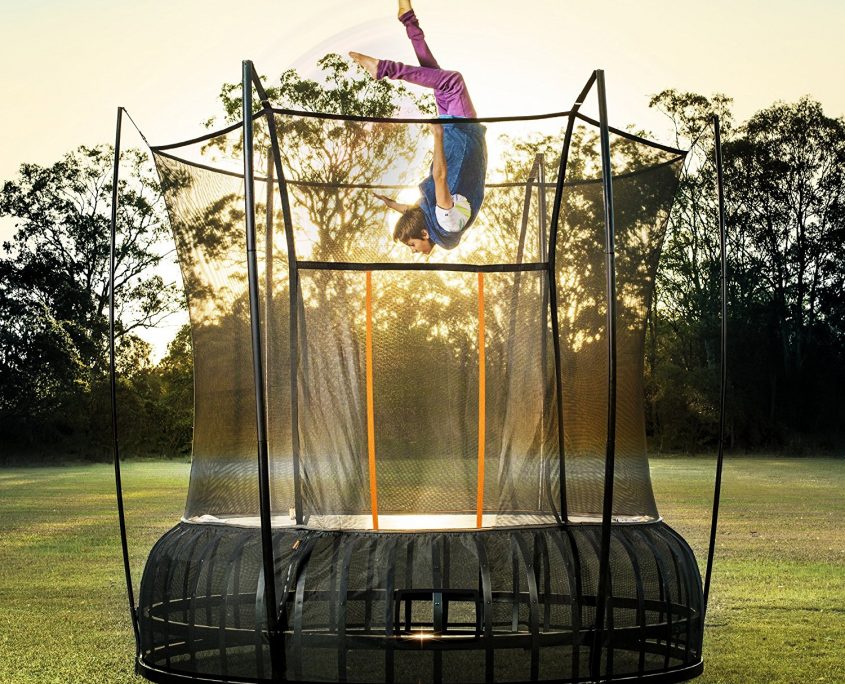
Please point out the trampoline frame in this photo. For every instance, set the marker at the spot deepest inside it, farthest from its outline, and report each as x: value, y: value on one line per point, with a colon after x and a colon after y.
x: 276, y: 637
x: 529, y: 597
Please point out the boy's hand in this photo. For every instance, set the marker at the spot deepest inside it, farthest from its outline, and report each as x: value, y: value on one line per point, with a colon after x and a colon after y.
x: 387, y: 200
x: 391, y: 203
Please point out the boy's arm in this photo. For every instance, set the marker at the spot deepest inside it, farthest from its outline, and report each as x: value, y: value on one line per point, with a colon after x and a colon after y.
x: 393, y: 204
x: 439, y: 170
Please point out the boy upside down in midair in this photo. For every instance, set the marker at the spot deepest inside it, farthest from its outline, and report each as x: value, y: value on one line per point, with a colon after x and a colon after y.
x: 454, y: 189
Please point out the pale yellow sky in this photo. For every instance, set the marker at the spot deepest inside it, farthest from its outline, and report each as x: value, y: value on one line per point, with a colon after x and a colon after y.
x: 65, y: 65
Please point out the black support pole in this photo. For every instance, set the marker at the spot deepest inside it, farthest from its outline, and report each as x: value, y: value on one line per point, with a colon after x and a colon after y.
x: 121, y: 515
x: 520, y: 249
x: 542, y: 245
x: 269, y: 327
x: 720, y: 186
x: 293, y: 282
x: 267, y: 556
x: 542, y: 249
x: 610, y: 453
x: 553, y: 228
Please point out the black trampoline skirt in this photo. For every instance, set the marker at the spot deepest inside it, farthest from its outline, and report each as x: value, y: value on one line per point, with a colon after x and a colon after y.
x: 497, y: 605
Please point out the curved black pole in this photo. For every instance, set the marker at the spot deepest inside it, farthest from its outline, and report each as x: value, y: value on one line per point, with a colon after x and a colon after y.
x: 293, y: 287
x: 520, y: 249
x: 610, y: 454
x: 717, y: 133
x: 267, y: 556
x: 552, y: 278
x: 542, y: 255
x: 268, y: 272
x: 130, y: 594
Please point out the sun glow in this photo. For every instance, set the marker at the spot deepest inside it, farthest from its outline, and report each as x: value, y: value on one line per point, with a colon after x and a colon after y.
x: 408, y: 195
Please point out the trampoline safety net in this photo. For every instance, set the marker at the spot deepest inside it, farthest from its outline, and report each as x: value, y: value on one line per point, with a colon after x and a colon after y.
x: 416, y: 392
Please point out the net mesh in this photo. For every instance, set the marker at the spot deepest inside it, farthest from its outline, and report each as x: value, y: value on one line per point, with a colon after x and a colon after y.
x: 425, y: 326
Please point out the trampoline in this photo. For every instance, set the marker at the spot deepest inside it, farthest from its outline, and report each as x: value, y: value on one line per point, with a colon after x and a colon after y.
x: 409, y: 469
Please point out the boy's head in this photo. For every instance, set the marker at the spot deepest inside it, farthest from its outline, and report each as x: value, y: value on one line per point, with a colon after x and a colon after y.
x: 411, y: 229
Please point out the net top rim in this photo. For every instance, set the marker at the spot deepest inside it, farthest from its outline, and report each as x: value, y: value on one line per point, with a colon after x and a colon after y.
x: 389, y: 186
x: 411, y: 120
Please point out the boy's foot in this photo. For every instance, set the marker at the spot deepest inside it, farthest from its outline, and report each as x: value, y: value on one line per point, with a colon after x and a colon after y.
x: 404, y: 7
x: 369, y: 64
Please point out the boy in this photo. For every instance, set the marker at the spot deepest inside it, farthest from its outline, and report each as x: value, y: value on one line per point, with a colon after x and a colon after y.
x: 454, y: 189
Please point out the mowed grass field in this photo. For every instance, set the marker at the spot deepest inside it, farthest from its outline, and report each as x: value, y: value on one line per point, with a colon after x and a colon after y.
x: 777, y: 611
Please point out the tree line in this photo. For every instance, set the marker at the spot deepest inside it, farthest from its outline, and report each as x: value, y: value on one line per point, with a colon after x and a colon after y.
x: 784, y: 172
x: 785, y: 193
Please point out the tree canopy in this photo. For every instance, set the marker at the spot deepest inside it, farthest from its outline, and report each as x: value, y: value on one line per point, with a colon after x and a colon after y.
x: 785, y: 193
x: 54, y: 288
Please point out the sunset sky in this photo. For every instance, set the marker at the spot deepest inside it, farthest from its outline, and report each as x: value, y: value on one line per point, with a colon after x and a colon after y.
x: 66, y: 65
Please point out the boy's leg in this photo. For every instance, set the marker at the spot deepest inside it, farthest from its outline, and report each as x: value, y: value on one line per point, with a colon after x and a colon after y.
x: 450, y: 91
x: 415, y: 33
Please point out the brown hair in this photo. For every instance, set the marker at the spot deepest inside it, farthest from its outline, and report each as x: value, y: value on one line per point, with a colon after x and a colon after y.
x: 410, y: 225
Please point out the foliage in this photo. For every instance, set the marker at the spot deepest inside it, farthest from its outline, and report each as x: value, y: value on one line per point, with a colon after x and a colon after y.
x: 342, y: 88
x: 785, y: 205
x: 337, y: 92
x: 54, y: 391
x: 176, y: 375
x: 785, y: 181
x: 54, y: 291
x: 337, y: 152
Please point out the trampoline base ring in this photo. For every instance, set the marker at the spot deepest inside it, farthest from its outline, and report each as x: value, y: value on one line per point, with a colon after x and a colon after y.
x: 681, y: 674
x: 495, y: 605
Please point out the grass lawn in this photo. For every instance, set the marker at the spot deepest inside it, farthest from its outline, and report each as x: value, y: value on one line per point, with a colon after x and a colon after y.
x: 777, y: 610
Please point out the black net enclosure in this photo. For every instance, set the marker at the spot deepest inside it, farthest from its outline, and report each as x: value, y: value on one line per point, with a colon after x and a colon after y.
x: 408, y: 467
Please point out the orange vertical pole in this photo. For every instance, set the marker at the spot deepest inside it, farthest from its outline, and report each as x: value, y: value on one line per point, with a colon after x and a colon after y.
x: 371, y: 432
x: 482, y: 395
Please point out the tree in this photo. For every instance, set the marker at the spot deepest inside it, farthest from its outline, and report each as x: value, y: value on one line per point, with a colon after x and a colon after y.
x: 785, y: 183
x: 54, y: 285
x: 786, y: 171
x: 682, y: 360
x: 176, y: 403
x: 336, y: 152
